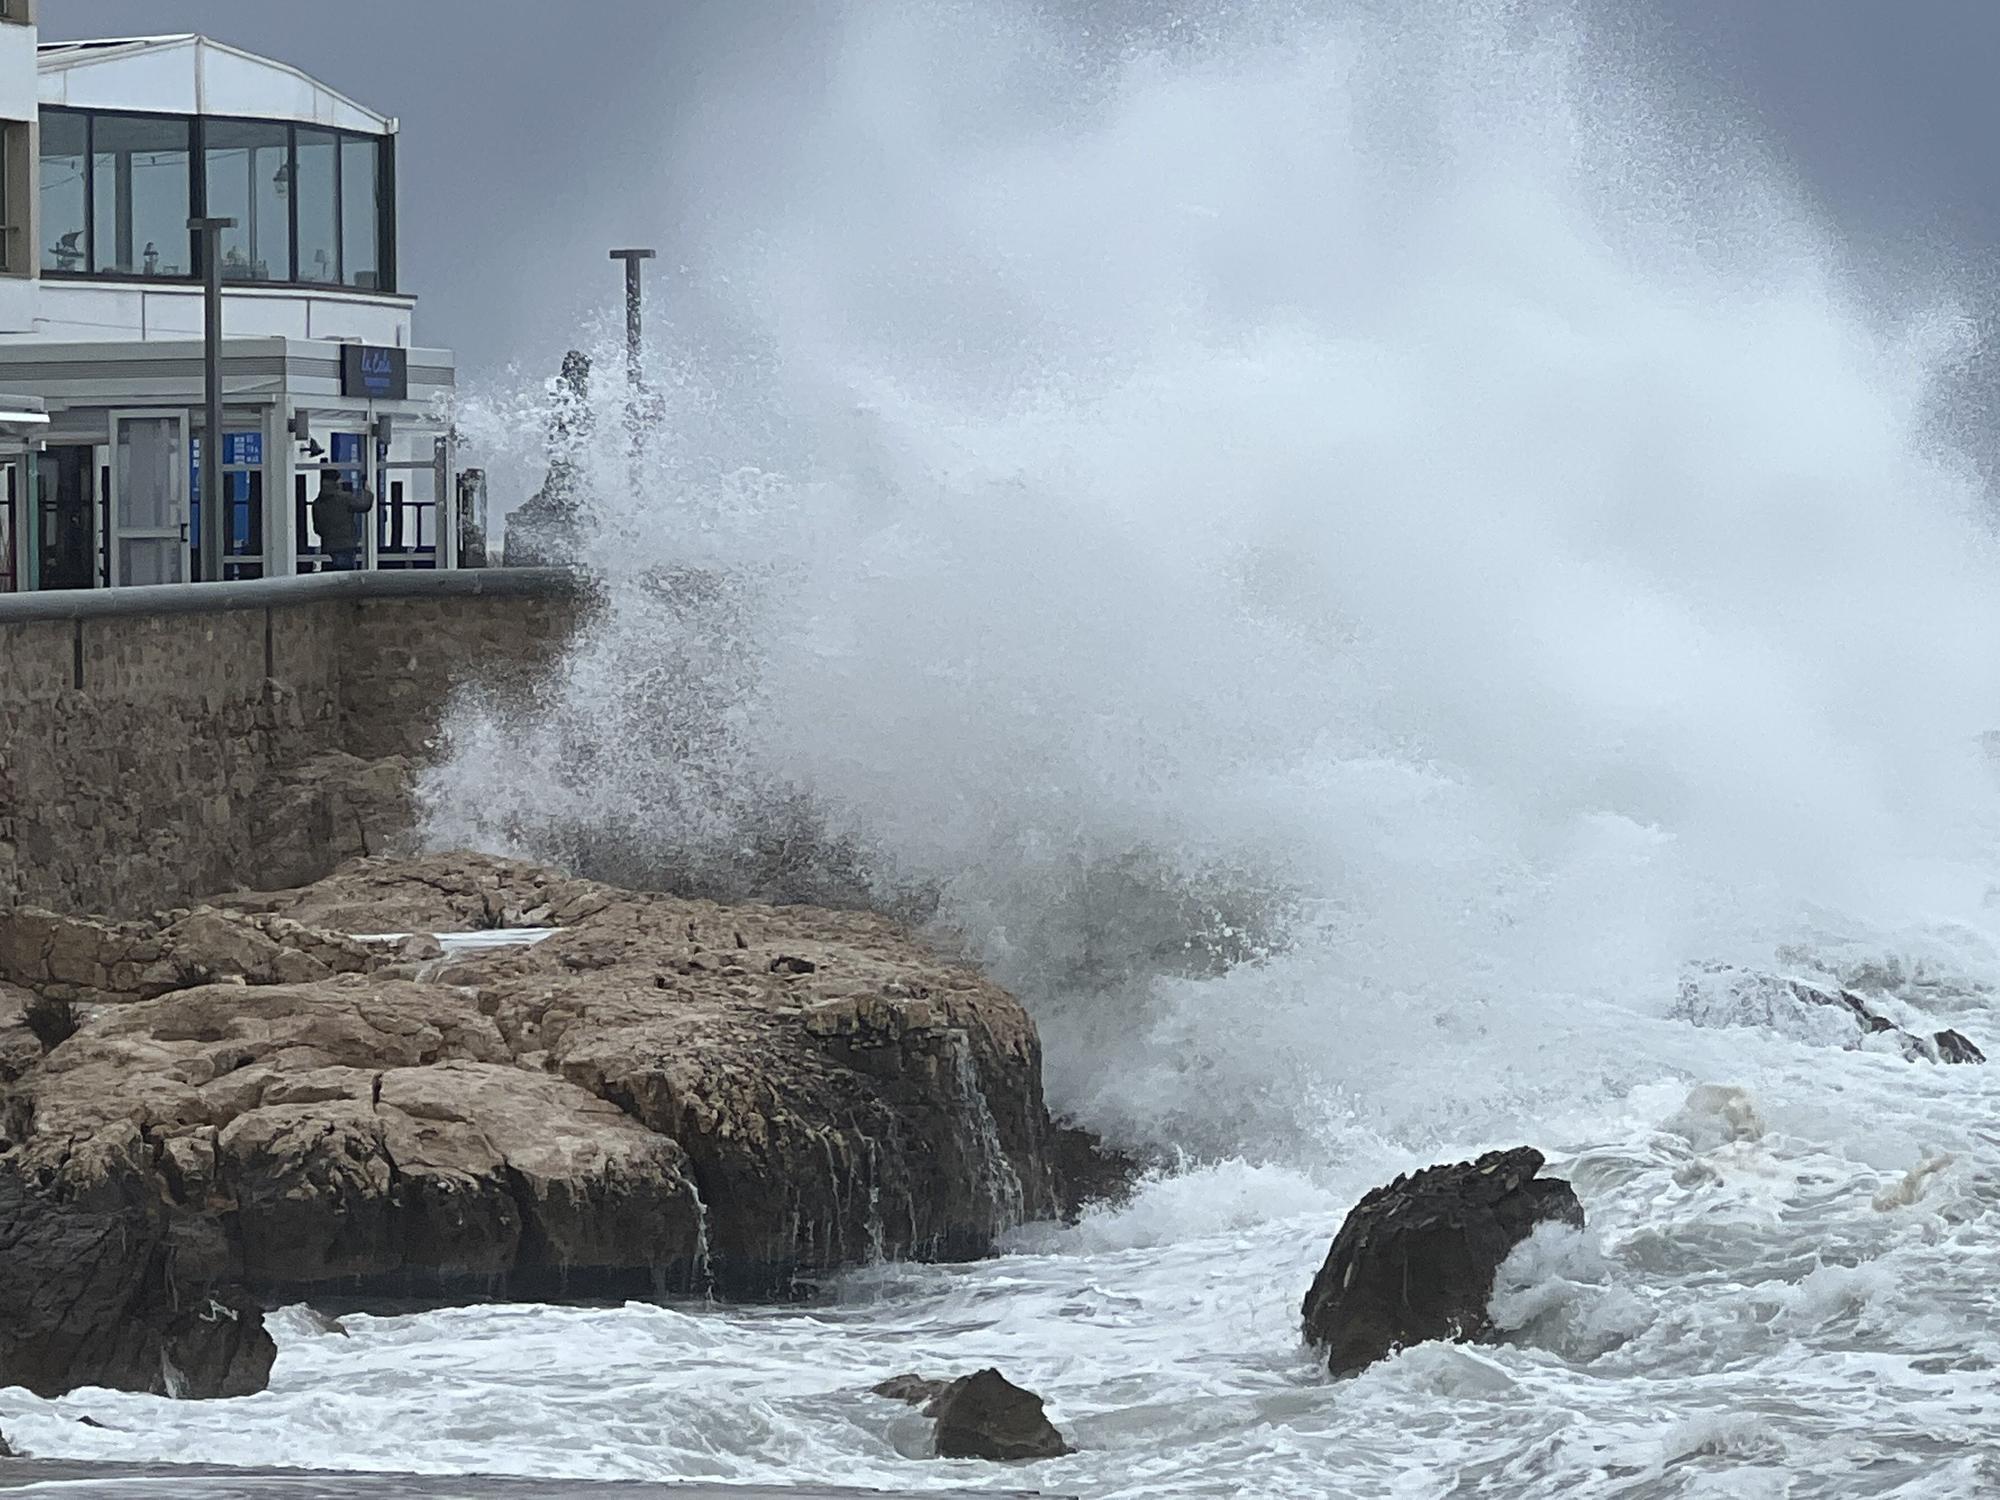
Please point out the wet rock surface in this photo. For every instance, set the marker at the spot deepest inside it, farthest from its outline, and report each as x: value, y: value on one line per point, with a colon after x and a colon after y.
x: 665, y: 1095
x: 917, y: 1390
x: 1415, y: 1260
x: 1087, y: 1171
x: 985, y: 1415
x: 1817, y: 1009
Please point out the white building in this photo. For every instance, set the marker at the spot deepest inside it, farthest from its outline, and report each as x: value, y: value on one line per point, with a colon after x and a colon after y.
x: 110, y: 148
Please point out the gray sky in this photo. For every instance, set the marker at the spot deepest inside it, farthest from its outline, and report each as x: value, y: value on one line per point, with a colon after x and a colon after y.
x: 535, y: 134
x: 531, y: 133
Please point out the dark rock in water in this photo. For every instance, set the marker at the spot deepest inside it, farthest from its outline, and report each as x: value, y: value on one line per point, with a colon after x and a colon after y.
x: 5, y: 1451
x: 918, y: 1390
x: 1954, y: 1047
x: 320, y: 1322
x: 985, y: 1415
x: 1415, y: 1260
x: 218, y: 1346
x: 1088, y: 1171
x: 99, y: 1287
x: 1808, y: 1010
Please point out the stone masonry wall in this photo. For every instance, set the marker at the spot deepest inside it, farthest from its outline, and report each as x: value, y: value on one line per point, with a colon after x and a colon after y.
x: 394, y: 686
x: 147, y: 759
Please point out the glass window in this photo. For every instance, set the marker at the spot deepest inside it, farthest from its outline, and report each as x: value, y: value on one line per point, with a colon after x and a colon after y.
x: 317, y: 191
x: 360, y: 223
x: 249, y: 180
x: 64, y: 158
x: 139, y: 196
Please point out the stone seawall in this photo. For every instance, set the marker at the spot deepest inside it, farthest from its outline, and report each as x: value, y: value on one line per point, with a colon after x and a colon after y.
x: 159, y: 744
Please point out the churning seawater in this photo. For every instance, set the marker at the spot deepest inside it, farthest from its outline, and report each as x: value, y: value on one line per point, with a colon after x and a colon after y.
x: 1334, y: 549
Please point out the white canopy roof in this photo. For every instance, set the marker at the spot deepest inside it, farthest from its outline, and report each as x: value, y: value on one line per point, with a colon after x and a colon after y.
x: 194, y: 75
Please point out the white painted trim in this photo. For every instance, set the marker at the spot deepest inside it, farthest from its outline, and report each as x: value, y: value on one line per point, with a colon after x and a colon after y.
x: 81, y: 56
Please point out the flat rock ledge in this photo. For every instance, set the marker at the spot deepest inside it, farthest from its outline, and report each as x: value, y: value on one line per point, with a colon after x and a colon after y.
x: 241, y: 1105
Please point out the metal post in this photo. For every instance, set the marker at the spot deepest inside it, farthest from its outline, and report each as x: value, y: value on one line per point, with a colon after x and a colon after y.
x: 634, y: 371
x: 208, y: 234
x: 633, y: 260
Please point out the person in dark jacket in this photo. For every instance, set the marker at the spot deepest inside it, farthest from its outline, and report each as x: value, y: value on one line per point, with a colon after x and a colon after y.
x: 336, y: 515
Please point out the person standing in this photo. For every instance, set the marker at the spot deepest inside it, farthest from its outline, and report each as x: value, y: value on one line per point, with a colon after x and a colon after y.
x: 336, y: 515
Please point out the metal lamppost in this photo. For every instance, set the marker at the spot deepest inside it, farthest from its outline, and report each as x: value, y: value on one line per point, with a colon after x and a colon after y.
x: 633, y: 259
x: 208, y: 233
x: 634, y: 373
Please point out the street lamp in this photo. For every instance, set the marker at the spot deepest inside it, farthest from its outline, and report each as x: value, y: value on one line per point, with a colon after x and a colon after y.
x: 634, y: 376
x: 208, y: 235
x: 633, y: 260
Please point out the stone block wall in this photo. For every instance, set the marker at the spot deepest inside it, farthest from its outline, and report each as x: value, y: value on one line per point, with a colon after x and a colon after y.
x: 169, y: 744
x: 394, y: 684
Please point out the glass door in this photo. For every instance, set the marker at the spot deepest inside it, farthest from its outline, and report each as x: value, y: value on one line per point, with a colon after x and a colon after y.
x: 149, y: 498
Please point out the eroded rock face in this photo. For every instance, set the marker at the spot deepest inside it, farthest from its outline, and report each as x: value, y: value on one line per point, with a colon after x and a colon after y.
x: 1415, y: 1260
x: 985, y: 1415
x: 666, y: 1095
x: 1811, y: 1010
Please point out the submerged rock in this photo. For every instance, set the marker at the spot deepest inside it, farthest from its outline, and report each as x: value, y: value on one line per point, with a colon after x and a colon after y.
x: 665, y: 1095
x: 917, y: 1390
x: 985, y: 1415
x: 1808, y: 1010
x: 1415, y: 1260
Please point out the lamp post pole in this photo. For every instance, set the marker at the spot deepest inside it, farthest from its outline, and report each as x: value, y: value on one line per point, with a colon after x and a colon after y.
x: 633, y: 259
x: 209, y: 234
x: 634, y: 370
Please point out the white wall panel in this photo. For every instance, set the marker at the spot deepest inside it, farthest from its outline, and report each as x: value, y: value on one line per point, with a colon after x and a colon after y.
x: 19, y: 91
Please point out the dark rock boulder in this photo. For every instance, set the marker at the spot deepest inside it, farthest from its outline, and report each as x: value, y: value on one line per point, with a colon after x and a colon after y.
x: 5, y: 1451
x: 99, y: 1286
x: 1955, y: 1047
x: 1415, y: 1260
x: 985, y: 1415
x: 1809, y: 1010
x: 215, y: 1346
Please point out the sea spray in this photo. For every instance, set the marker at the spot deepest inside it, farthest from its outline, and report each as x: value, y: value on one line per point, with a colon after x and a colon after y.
x: 1427, y: 505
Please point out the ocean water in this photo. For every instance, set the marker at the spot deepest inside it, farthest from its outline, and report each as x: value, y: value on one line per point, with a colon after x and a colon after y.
x: 1783, y: 1292
x: 1335, y: 549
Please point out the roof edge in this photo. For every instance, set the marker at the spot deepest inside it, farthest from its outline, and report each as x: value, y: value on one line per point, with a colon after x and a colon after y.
x: 51, y: 57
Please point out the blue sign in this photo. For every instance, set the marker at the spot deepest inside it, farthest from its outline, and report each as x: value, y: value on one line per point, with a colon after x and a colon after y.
x: 237, y: 448
x: 239, y: 492
x: 370, y: 370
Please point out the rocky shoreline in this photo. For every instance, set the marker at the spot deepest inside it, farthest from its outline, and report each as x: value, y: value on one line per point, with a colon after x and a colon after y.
x: 240, y: 1105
